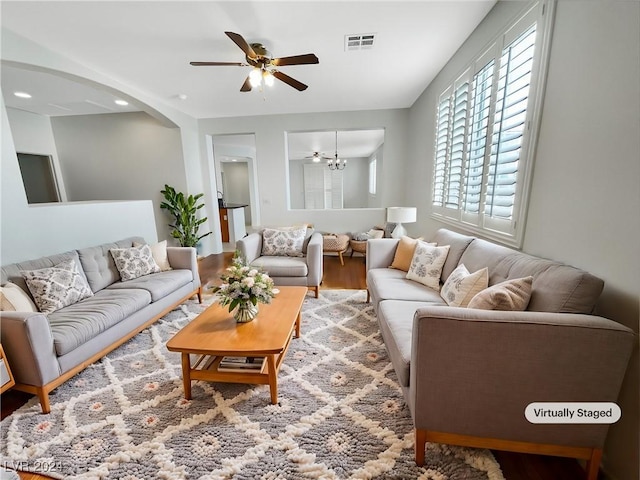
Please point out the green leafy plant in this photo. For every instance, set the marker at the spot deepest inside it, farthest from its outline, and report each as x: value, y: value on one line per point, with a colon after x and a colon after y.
x: 184, y: 209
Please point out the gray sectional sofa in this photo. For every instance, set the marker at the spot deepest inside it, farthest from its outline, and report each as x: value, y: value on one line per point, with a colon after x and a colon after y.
x: 46, y: 350
x: 468, y: 374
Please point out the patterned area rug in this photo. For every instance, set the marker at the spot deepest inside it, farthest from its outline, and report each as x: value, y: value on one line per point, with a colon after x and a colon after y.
x: 341, y: 413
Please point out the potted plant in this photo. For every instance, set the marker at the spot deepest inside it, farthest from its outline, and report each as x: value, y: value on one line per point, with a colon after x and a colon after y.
x: 184, y: 208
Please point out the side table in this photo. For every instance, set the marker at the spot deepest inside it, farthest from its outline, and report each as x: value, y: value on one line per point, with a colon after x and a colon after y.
x: 6, y: 377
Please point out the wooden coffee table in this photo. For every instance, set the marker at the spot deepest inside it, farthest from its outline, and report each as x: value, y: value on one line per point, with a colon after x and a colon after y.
x: 214, y: 334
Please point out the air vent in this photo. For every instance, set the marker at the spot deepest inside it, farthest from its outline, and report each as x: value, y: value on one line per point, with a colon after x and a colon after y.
x: 359, y: 41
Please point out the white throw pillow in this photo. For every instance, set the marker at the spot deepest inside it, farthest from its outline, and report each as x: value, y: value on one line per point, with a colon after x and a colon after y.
x: 375, y: 233
x: 134, y: 262
x: 14, y: 299
x: 55, y: 287
x: 159, y: 254
x: 426, y: 264
x: 462, y: 286
x: 283, y: 241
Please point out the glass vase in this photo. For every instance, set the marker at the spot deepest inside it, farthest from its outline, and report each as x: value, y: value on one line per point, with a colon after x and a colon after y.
x: 245, y: 312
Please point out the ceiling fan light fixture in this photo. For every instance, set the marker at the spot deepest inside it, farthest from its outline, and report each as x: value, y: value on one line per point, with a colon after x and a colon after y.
x: 255, y: 77
x: 268, y: 78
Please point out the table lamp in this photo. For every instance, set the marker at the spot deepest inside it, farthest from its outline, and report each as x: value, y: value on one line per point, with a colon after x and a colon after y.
x: 400, y: 215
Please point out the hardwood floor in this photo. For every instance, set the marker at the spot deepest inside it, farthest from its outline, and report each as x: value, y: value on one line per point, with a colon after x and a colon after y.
x: 514, y: 466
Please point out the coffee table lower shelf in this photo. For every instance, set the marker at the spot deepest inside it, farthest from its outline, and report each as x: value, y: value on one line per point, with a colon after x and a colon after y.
x: 206, y: 367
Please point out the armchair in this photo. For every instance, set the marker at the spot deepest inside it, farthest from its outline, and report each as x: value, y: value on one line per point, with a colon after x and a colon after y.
x: 284, y: 270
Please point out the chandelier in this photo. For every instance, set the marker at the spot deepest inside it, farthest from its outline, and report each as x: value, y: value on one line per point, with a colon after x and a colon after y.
x: 336, y: 163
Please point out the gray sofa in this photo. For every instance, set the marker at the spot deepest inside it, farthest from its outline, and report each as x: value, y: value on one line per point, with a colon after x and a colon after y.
x: 46, y: 350
x: 468, y: 374
x: 303, y: 271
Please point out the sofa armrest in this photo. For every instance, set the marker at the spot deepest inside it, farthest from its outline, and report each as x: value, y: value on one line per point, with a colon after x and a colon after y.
x: 184, y: 258
x: 28, y: 345
x: 315, y: 251
x: 250, y: 247
x: 473, y: 372
x: 380, y: 252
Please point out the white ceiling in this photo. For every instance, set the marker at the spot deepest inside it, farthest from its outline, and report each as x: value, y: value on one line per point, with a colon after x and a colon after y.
x: 149, y: 44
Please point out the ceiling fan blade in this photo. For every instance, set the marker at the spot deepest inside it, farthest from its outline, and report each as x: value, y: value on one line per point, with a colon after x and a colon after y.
x: 242, y: 43
x: 206, y: 64
x: 306, y: 59
x: 246, y: 86
x: 289, y: 81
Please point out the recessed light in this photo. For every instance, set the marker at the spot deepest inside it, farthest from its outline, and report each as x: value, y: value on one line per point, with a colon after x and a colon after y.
x: 182, y: 96
x: 22, y: 94
x: 122, y: 103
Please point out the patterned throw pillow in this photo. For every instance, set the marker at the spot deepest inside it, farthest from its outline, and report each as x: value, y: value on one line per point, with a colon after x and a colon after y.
x: 134, y: 262
x: 55, y: 287
x: 283, y: 242
x: 159, y: 254
x: 462, y: 286
x: 426, y: 264
x: 512, y: 295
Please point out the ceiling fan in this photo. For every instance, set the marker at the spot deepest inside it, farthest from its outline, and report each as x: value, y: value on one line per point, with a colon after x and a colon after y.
x: 264, y: 66
x: 317, y: 157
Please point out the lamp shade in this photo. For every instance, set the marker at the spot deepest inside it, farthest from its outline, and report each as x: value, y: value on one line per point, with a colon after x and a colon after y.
x: 401, y: 214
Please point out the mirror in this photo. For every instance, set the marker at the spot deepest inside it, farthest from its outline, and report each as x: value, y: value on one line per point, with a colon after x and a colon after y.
x: 314, y: 185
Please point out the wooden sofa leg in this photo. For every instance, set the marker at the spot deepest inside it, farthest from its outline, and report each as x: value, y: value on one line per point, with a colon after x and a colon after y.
x: 43, y: 396
x: 200, y: 294
x: 317, y: 291
x: 593, y: 464
x: 368, y: 296
x: 421, y: 443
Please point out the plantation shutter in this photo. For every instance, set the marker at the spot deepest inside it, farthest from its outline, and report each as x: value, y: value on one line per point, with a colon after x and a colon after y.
x: 458, y: 149
x: 478, y: 134
x: 442, y: 143
x: 314, y: 185
x: 514, y: 81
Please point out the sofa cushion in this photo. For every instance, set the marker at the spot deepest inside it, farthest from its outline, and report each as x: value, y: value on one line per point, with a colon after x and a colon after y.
x: 74, y: 325
x: 426, y: 264
x: 13, y: 272
x: 556, y: 287
x: 159, y: 285
x: 387, y: 283
x: 98, y: 264
x: 56, y: 287
x: 510, y: 295
x: 134, y: 262
x: 395, y: 319
x: 462, y: 286
x: 457, y: 245
x: 282, y: 266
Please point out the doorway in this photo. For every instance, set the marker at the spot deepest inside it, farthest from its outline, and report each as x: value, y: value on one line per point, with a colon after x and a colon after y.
x: 234, y: 157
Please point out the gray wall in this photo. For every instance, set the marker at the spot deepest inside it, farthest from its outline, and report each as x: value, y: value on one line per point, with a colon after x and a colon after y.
x: 236, y: 180
x: 31, y: 231
x: 272, y: 169
x: 121, y: 156
x: 586, y: 189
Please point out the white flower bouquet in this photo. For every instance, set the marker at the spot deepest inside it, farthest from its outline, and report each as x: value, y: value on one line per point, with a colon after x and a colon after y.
x: 242, y: 284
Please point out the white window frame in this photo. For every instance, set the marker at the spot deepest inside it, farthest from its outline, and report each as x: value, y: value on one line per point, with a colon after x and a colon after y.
x: 506, y: 231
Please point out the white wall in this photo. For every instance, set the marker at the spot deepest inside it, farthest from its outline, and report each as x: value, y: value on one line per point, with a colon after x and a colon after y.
x: 32, y: 133
x: 272, y: 169
x: 236, y: 180
x: 586, y: 188
x: 120, y: 156
x: 31, y: 231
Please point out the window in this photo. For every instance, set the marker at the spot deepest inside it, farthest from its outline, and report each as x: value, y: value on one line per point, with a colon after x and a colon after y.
x: 373, y: 165
x: 486, y: 126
